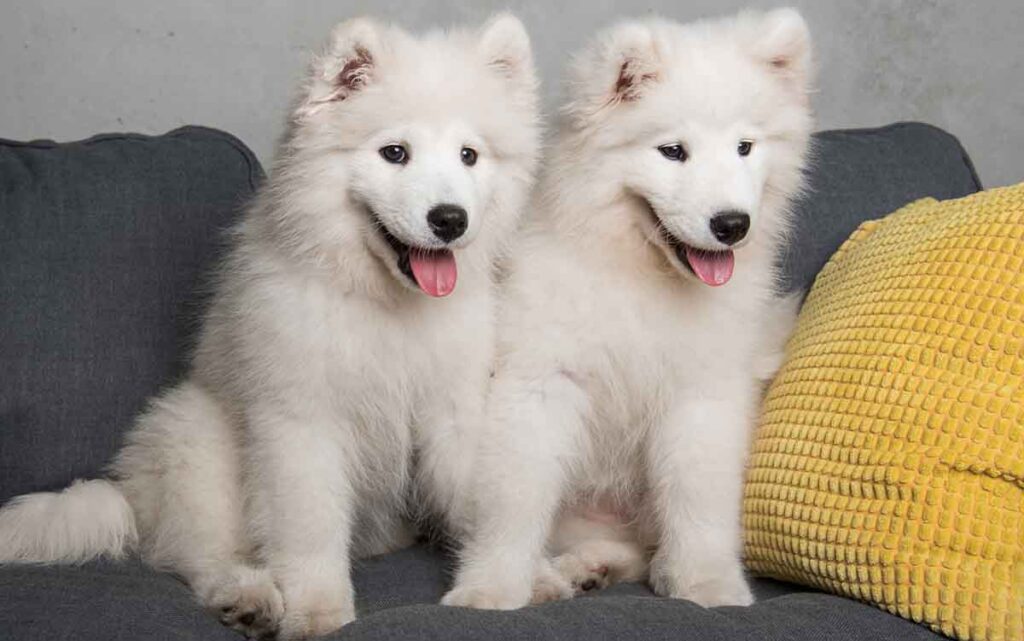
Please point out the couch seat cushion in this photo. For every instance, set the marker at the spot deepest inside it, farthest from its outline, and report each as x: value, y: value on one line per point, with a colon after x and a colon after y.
x: 397, y: 601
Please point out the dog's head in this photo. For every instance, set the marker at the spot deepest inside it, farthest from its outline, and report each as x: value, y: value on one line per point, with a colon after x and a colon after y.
x: 703, y: 127
x: 418, y: 149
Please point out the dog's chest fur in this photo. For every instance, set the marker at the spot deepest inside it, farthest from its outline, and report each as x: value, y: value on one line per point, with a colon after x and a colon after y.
x: 367, y: 370
x: 632, y: 340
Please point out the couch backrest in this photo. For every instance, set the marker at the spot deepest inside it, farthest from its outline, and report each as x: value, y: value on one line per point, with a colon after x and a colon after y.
x: 863, y: 174
x: 104, y: 245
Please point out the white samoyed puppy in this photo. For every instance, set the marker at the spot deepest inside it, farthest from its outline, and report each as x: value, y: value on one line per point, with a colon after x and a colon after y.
x: 352, y: 326
x: 640, y: 314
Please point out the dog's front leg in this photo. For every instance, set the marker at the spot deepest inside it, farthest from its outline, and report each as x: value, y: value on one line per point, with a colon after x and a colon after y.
x: 531, y: 429
x: 301, y: 513
x: 450, y: 428
x: 695, y: 466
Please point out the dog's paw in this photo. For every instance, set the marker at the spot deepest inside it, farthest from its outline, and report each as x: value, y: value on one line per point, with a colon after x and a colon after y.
x: 582, y: 576
x: 550, y: 585
x: 306, y: 624
x: 727, y: 588
x: 248, y: 602
x: 315, y: 608
x: 490, y: 597
x: 715, y: 592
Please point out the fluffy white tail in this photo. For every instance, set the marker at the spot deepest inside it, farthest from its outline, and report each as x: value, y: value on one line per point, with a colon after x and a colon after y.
x: 777, y: 327
x: 89, y: 519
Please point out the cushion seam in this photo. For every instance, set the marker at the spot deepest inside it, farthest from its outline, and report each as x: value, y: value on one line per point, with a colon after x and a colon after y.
x: 255, y: 170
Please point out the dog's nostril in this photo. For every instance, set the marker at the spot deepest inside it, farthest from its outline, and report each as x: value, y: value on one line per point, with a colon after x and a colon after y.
x: 448, y: 222
x: 730, y: 227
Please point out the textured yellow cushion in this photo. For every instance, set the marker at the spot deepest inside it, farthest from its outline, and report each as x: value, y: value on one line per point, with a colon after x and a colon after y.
x: 889, y: 463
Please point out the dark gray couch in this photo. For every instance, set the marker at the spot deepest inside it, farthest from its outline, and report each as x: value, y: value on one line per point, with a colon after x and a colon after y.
x: 104, y: 247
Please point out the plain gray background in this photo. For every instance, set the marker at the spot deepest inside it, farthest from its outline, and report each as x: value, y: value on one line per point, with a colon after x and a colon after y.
x: 74, y: 68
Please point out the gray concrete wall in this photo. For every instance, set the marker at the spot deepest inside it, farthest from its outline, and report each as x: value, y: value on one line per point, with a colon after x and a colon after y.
x: 73, y: 68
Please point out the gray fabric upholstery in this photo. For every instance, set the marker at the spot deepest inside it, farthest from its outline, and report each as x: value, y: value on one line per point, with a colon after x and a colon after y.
x: 611, y: 617
x: 864, y: 174
x: 101, y: 602
x: 103, y: 246
x: 397, y: 593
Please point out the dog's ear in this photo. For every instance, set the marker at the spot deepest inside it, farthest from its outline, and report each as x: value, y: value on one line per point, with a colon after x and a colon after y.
x: 617, y: 67
x: 505, y: 47
x: 344, y: 67
x: 781, y: 40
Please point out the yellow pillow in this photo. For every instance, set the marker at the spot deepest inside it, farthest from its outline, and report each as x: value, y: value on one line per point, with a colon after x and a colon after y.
x: 889, y: 463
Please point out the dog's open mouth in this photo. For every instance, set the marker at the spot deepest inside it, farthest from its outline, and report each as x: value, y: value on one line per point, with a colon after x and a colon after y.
x: 712, y: 267
x: 433, y: 270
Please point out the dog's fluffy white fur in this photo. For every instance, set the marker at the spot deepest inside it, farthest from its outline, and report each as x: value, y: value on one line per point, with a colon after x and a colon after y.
x: 626, y: 387
x: 321, y: 368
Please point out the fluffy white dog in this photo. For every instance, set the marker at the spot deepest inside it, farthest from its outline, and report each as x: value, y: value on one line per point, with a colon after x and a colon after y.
x: 638, y: 316
x: 352, y: 326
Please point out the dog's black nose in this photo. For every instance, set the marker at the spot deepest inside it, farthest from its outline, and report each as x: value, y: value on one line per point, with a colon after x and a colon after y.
x: 730, y: 227
x: 448, y: 222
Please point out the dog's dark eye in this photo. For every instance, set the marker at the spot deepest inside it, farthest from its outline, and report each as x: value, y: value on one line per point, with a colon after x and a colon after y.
x: 394, y: 154
x: 468, y: 156
x: 673, y: 152
x: 744, y: 147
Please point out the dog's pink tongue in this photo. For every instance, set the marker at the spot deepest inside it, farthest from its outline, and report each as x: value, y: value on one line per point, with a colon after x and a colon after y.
x: 434, y: 270
x: 714, y: 268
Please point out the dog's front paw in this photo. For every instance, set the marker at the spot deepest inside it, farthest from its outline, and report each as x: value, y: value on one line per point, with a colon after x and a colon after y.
x: 706, y: 589
x: 487, y: 597
x: 315, y: 607
x: 581, y: 575
x: 247, y: 601
x: 309, y: 623
x: 550, y: 585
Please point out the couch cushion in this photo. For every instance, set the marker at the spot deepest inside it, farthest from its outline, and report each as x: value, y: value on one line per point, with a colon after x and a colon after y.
x: 397, y: 600
x: 795, y: 617
x: 889, y: 461
x: 101, y: 602
x: 863, y: 174
x: 102, y: 246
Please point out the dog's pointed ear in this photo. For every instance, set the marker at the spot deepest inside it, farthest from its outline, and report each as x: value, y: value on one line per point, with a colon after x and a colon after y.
x: 618, y: 66
x: 344, y: 67
x: 505, y: 47
x: 782, y: 41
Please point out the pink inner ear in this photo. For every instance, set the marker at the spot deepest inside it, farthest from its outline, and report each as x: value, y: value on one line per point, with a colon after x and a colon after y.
x: 629, y: 83
x: 354, y: 75
x: 625, y: 81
